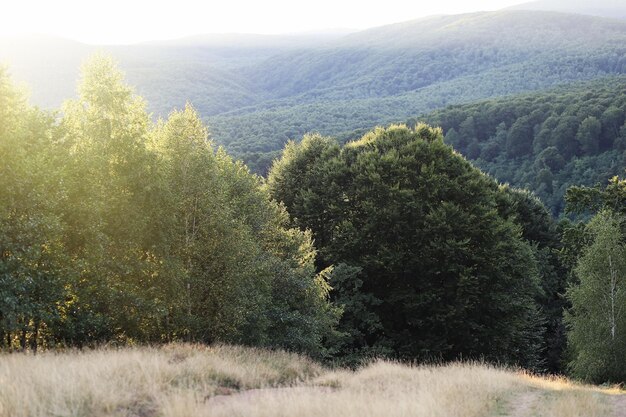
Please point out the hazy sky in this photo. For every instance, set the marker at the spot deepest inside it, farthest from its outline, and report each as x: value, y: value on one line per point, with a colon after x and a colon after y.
x: 127, y: 21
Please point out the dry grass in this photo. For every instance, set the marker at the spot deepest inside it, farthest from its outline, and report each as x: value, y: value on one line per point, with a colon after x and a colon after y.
x: 186, y: 381
x: 135, y: 382
x: 382, y: 389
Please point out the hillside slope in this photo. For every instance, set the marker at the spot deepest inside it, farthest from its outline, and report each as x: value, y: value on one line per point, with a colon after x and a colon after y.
x: 405, y: 56
x: 391, y: 73
x: 545, y: 141
x: 204, y: 70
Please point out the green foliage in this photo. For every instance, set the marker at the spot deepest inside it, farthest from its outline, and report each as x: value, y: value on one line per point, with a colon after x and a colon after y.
x: 33, y: 269
x: 519, y: 140
x: 612, y: 197
x: 257, y: 93
x: 597, y: 320
x: 427, y: 262
x: 388, y: 74
x: 588, y: 135
x: 540, y: 230
x: 108, y: 186
x: 117, y: 230
x: 590, y: 251
x: 545, y: 142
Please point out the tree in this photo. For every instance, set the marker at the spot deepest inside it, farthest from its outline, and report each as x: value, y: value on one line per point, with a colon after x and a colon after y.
x: 520, y: 138
x: 597, y: 319
x: 241, y: 275
x: 551, y: 159
x: 298, y: 181
x: 545, y: 177
x: 203, y: 240
x: 589, y: 135
x: 453, y: 138
x: 426, y: 267
x: 493, y: 147
x: 34, y: 271
x: 612, y: 119
x: 540, y: 230
x: 467, y: 133
x: 113, y: 229
x: 586, y: 200
x: 564, y: 136
x: 110, y: 228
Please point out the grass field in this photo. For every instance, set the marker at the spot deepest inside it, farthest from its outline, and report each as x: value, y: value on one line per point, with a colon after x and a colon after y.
x: 186, y: 381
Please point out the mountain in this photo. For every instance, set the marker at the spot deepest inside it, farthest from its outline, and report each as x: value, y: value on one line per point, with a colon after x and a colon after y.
x: 49, y: 66
x: 407, y: 56
x: 253, y: 41
x: 615, y: 9
x: 203, y: 69
x: 258, y: 91
x: 390, y: 73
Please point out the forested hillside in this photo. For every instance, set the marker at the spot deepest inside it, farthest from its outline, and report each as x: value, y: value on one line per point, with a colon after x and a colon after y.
x: 257, y: 92
x: 204, y: 70
x: 545, y: 142
x: 394, y: 72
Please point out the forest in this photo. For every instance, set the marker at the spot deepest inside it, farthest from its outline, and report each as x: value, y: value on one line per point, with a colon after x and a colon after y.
x: 545, y: 142
x: 388, y: 74
x: 117, y: 229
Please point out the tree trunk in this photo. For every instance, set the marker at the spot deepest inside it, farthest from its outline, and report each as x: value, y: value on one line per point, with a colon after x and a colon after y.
x: 34, y: 341
x: 23, y: 340
x: 613, y: 294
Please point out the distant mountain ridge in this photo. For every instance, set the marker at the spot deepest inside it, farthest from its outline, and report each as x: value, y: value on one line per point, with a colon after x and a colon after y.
x: 390, y: 73
x: 257, y: 92
x: 250, y: 40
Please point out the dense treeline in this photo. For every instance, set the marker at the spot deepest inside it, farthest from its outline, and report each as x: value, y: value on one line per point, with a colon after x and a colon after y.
x: 263, y: 130
x: 366, y: 113
x: 117, y: 230
x: 545, y: 142
x: 429, y: 258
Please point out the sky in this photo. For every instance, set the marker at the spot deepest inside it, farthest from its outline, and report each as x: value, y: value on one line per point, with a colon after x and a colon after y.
x: 130, y: 21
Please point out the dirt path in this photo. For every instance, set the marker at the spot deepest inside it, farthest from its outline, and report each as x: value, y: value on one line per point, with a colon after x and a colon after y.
x: 619, y: 405
x: 522, y: 405
x: 526, y: 405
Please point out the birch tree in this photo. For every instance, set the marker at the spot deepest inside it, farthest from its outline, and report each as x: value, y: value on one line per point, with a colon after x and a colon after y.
x: 597, y: 319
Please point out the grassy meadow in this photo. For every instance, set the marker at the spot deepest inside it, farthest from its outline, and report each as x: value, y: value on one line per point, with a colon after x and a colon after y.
x: 192, y: 380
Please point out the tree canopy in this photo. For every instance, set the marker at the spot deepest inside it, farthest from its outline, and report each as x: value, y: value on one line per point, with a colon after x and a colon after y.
x: 117, y: 229
x: 545, y: 142
x: 430, y: 257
